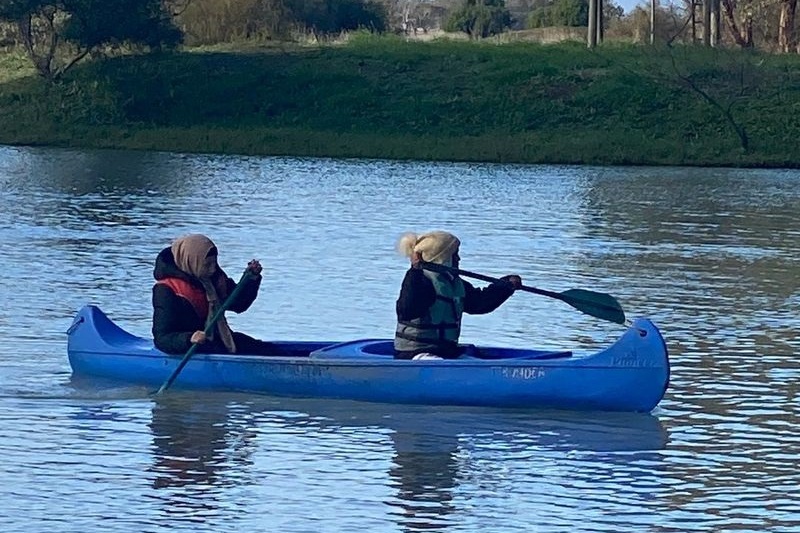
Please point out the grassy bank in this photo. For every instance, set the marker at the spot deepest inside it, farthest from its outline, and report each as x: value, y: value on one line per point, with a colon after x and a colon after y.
x: 387, y: 98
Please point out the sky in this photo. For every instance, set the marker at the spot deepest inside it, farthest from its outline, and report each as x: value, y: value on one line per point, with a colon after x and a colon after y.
x: 628, y: 5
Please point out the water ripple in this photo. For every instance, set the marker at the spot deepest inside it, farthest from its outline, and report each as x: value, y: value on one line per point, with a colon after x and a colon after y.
x: 709, y: 254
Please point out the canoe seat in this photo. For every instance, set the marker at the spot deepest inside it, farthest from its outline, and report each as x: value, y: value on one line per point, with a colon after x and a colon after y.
x: 361, y: 349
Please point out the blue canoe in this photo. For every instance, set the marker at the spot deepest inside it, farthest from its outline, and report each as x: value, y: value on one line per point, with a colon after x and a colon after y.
x: 630, y: 375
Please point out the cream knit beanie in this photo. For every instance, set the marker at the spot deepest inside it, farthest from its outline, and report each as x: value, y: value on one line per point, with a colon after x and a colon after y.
x: 435, y: 246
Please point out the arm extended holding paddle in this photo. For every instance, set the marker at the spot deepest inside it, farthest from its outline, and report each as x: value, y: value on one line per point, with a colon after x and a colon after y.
x: 246, y: 276
x: 596, y: 304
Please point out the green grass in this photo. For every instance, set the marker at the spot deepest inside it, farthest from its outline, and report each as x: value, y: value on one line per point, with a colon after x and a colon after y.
x: 448, y: 100
x: 14, y: 65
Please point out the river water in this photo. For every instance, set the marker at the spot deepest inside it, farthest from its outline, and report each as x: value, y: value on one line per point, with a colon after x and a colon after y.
x: 711, y: 255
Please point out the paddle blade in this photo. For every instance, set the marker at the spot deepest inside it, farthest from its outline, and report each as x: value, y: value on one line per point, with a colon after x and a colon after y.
x: 596, y: 304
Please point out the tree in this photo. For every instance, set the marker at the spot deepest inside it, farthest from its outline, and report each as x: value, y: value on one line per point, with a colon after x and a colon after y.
x: 571, y: 13
x: 220, y: 21
x: 611, y: 11
x: 406, y: 16
x: 56, y: 34
x: 560, y: 13
x: 332, y: 16
x: 480, y: 18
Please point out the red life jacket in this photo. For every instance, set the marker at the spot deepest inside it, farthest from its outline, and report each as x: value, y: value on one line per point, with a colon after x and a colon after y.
x: 195, y: 295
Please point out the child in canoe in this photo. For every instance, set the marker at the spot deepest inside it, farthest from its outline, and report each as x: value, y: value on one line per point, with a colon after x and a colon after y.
x: 431, y: 304
x: 190, y: 287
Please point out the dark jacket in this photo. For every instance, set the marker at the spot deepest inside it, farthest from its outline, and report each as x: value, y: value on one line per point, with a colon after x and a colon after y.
x: 417, y: 294
x: 175, y: 319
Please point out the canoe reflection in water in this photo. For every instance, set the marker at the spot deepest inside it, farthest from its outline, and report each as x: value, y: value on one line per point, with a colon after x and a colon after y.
x: 206, y: 445
x: 440, y: 454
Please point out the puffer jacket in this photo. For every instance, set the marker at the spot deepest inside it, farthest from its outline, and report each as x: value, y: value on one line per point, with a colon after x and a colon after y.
x: 175, y: 319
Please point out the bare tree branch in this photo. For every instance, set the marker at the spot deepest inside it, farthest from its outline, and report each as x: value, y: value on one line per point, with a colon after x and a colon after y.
x: 726, y: 111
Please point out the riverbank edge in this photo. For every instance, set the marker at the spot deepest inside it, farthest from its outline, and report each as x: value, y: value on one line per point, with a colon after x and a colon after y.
x: 512, y: 149
x: 569, y: 106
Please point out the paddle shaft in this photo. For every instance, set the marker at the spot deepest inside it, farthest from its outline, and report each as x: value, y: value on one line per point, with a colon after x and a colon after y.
x: 209, y: 328
x: 596, y: 304
x: 543, y: 292
x: 467, y: 274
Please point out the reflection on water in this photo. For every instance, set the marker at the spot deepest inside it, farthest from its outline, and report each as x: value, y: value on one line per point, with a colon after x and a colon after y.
x: 728, y: 241
x: 709, y: 254
x: 205, y: 444
x: 425, y: 471
x: 197, y: 452
x: 189, y: 442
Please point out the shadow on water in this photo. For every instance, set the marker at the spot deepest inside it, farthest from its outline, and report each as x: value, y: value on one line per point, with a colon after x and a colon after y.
x: 97, y: 172
x: 203, y: 444
x: 95, y: 190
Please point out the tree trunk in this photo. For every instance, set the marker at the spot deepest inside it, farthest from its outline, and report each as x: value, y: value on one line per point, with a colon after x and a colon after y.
x: 786, y: 32
x: 747, y: 30
x: 743, y: 36
x: 42, y: 60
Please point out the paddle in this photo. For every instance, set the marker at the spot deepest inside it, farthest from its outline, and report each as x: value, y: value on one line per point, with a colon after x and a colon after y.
x: 209, y: 327
x: 596, y: 304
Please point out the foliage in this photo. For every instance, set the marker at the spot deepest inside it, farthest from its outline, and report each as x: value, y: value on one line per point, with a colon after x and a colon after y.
x: 612, y: 11
x: 333, y: 16
x: 227, y: 21
x: 57, y: 34
x: 560, y: 13
x: 380, y: 97
x: 14, y: 64
x: 670, y: 25
x: 409, y: 16
x: 480, y: 18
x: 94, y: 23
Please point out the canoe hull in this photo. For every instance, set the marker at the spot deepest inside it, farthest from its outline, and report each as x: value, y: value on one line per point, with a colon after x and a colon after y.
x: 631, y: 375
